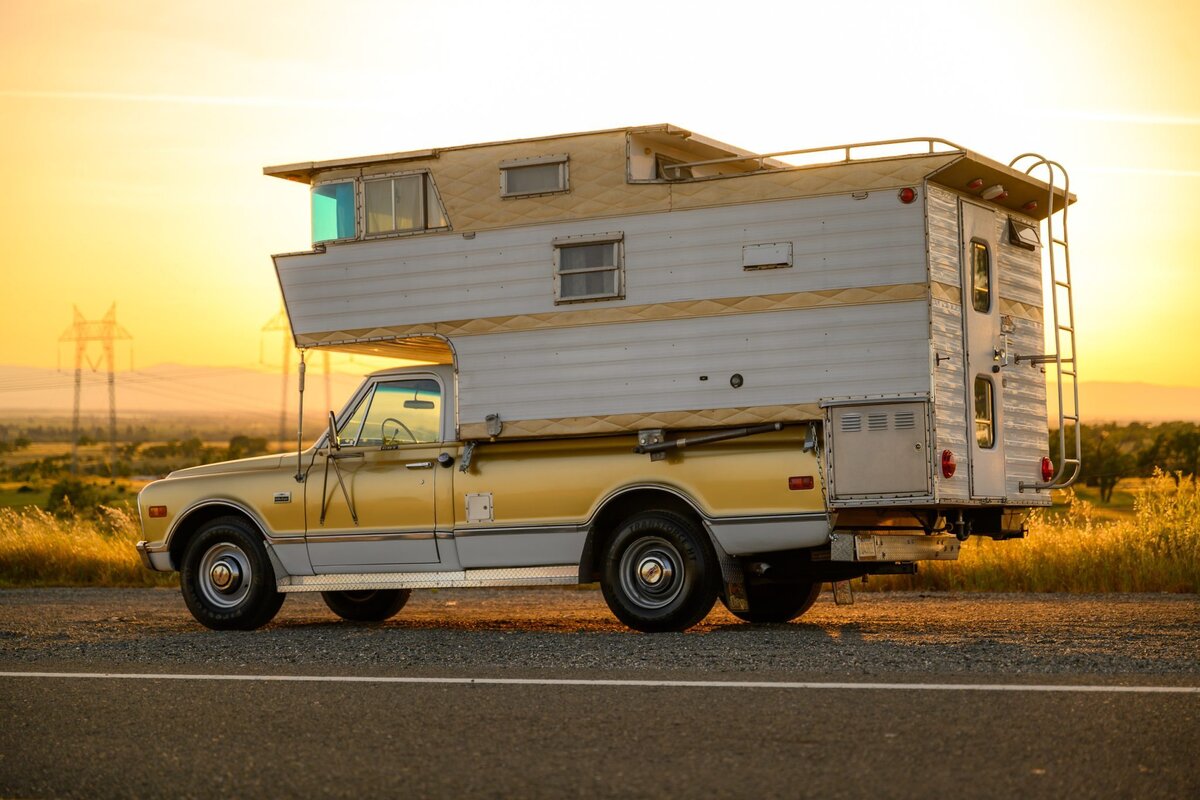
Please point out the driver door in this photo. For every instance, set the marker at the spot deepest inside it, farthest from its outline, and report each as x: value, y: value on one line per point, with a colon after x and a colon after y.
x: 370, y: 504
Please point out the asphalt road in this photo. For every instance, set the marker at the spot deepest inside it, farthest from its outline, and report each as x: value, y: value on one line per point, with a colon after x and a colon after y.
x: 896, y: 696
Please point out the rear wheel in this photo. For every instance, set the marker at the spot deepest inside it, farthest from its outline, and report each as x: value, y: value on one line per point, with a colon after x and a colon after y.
x: 660, y: 573
x: 371, y: 605
x: 226, y: 578
x: 778, y: 602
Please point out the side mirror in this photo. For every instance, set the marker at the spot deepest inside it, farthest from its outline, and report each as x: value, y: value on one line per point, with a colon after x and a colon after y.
x: 334, y: 444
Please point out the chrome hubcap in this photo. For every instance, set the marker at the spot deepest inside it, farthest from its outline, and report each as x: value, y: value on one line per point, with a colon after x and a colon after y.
x: 224, y: 575
x: 651, y: 572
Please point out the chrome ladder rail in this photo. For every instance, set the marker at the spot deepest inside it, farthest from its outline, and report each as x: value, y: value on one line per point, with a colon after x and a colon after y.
x: 1065, y: 364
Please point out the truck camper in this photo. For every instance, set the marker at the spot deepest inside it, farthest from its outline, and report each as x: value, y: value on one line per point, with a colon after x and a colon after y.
x: 646, y: 358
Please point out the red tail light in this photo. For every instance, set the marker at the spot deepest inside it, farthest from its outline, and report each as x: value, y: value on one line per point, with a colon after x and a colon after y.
x: 1047, y: 469
x: 948, y: 464
x: 907, y: 195
x: 800, y: 482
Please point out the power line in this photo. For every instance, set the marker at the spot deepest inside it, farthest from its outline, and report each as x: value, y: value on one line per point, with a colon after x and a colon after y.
x: 106, y: 331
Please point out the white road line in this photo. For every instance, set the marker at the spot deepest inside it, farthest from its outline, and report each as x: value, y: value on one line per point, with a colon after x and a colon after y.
x: 925, y: 687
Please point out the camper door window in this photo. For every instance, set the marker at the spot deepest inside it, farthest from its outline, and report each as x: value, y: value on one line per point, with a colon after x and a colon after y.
x: 981, y: 277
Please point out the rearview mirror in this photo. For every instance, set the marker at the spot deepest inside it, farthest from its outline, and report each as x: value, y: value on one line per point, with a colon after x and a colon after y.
x: 421, y: 404
x: 334, y: 444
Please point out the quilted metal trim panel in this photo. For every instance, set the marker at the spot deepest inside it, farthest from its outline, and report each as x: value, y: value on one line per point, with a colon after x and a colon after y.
x: 689, y: 309
x: 1013, y: 308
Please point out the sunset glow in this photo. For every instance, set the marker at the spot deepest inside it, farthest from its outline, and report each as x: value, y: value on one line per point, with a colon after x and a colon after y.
x: 135, y: 134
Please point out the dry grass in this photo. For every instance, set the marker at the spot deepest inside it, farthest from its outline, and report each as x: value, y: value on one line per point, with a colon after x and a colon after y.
x: 1156, y: 550
x: 40, y: 549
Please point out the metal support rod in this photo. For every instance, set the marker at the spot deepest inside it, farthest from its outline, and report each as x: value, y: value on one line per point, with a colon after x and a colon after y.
x: 706, y: 438
x: 300, y: 423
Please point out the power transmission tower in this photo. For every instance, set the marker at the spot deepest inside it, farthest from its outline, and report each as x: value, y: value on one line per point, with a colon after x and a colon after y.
x: 106, y: 331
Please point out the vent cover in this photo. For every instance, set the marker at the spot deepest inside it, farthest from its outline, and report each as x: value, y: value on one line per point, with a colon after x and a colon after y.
x: 877, y: 422
x: 851, y: 423
x: 905, y: 420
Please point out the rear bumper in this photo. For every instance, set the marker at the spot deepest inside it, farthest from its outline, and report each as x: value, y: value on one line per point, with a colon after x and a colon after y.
x: 871, y: 547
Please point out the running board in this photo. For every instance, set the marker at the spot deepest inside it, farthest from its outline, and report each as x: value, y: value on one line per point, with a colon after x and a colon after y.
x: 458, y: 579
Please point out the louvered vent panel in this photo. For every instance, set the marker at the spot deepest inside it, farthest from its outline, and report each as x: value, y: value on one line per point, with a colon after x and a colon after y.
x: 905, y: 421
x: 851, y: 423
x: 877, y: 422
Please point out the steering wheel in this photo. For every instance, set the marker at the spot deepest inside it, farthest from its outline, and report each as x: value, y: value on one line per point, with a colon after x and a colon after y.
x: 399, y: 426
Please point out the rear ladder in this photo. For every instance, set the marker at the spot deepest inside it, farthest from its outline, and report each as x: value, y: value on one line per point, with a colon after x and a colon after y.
x: 1062, y: 304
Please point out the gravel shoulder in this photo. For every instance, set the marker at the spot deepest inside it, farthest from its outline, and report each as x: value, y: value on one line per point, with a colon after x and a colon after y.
x: 566, y: 631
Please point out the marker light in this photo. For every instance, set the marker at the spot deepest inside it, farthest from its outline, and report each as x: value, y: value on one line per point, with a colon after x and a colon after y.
x: 800, y: 482
x: 907, y: 195
x: 975, y: 185
x: 1030, y: 206
x: 158, y: 511
x: 997, y: 192
x: 1047, y: 469
x: 948, y: 464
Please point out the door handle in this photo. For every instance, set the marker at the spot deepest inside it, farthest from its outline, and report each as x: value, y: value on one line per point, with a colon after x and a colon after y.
x: 419, y: 465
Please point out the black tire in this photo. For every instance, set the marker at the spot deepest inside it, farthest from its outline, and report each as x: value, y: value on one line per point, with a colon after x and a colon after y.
x: 227, y: 580
x: 660, y: 573
x: 369, y: 605
x: 777, y: 602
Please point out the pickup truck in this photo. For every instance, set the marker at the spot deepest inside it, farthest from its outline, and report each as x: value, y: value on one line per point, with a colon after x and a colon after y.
x: 387, y: 501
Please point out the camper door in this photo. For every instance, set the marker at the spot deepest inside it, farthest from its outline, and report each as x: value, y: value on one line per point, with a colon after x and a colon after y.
x: 981, y: 327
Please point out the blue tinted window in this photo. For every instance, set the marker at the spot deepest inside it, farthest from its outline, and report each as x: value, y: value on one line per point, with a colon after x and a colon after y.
x: 333, y: 212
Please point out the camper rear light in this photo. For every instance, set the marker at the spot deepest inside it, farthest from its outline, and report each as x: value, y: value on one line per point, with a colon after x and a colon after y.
x: 158, y: 511
x: 997, y: 192
x: 800, y: 482
x: 948, y: 464
x: 1047, y: 469
x: 907, y: 195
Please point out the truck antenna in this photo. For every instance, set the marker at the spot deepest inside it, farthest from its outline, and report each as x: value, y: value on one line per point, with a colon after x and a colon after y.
x: 300, y: 424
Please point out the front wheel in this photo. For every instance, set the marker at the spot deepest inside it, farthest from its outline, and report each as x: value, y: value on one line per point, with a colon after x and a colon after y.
x: 226, y: 578
x: 660, y: 573
x: 370, y: 605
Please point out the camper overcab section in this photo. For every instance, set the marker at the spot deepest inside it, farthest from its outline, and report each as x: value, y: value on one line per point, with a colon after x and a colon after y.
x: 674, y: 366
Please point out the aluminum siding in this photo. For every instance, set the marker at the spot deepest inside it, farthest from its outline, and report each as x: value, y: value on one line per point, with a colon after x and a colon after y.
x: 946, y: 340
x: 785, y: 357
x: 683, y: 255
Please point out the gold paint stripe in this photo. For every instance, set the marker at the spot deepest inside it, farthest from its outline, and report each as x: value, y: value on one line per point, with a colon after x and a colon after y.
x: 625, y: 423
x: 688, y: 309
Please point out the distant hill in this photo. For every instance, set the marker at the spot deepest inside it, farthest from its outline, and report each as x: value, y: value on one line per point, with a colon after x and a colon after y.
x: 175, y: 388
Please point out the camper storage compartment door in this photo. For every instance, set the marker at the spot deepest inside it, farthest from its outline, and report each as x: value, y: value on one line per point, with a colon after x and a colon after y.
x: 879, y: 450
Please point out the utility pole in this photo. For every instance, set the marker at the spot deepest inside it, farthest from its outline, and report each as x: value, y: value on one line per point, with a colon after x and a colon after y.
x: 106, y: 331
x: 280, y: 323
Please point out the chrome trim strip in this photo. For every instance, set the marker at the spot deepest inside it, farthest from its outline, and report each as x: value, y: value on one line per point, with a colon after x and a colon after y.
x: 339, y: 538
x: 519, y: 529
x: 471, y: 578
x: 807, y: 516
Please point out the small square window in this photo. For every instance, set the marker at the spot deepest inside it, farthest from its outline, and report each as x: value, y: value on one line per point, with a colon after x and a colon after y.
x: 588, y: 269
x: 534, y: 176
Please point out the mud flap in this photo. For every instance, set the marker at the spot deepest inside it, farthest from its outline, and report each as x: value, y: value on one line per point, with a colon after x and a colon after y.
x: 843, y: 593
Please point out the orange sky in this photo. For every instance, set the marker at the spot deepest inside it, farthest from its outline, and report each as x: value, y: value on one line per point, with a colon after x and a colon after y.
x: 134, y: 134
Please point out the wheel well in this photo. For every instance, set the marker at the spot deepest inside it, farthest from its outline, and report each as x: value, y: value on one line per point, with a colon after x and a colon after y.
x: 191, y: 523
x: 620, y: 508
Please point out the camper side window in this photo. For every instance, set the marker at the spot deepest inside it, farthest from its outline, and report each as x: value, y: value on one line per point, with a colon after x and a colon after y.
x: 981, y: 277
x: 402, y: 204
x: 526, y: 177
x: 589, y: 269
